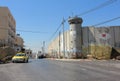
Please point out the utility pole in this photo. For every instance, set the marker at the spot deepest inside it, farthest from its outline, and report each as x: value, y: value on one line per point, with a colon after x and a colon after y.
x: 82, y: 42
x: 63, y: 38
x: 44, y: 48
x: 59, y: 45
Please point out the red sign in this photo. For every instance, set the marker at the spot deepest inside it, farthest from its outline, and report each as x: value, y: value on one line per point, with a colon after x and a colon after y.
x: 103, y: 35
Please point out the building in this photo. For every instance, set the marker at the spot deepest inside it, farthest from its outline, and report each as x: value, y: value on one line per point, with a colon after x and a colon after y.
x: 7, y: 28
x: 29, y: 52
x: 82, y: 41
x: 19, y: 43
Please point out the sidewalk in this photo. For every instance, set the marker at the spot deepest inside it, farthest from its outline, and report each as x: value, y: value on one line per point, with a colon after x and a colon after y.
x: 78, y: 59
x: 72, y: 59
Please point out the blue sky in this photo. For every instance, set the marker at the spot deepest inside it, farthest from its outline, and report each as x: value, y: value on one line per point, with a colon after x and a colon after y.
x: 45, y: 16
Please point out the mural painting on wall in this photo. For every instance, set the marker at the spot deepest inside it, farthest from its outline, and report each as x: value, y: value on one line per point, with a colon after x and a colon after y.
x: 103, y: 36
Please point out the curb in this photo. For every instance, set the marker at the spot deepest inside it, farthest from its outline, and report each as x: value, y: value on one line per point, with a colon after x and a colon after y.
x: 74, y: 60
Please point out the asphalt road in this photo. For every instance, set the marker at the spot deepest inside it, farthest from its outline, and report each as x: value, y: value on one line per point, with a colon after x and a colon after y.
x: 51, y: 70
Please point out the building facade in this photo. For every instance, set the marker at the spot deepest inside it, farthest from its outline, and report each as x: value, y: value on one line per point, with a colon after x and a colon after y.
x: 29, y: 52
x: 95, y: 41
x: 7, y: 28
x: 19, y: 43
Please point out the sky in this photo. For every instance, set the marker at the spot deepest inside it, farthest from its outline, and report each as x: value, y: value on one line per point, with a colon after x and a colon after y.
x: 42, y: 17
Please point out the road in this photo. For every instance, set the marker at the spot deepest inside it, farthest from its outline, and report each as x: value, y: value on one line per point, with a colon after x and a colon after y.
x: 52, y: 70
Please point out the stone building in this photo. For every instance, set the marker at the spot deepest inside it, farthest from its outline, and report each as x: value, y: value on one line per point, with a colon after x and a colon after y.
x: 7, y: 27
x: 19, y: 43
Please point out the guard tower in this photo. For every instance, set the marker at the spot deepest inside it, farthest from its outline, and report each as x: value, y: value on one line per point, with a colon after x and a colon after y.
x: 75, y: 37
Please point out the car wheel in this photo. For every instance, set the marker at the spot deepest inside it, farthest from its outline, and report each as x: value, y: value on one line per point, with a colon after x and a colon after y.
x: 24, y: 61
x: 27, y: 61
x: 13, y: 61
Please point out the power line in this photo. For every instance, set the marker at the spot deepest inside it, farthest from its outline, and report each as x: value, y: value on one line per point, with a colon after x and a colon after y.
x: 98, y: 7
x: 113, y: 19
x: 56, y: 31
x: 31, y: 31
x: 86, y: 12
x: 24, y: 30
x: 63, y: 21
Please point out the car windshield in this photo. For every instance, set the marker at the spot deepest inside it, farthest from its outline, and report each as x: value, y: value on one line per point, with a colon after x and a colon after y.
x: 20, y: 55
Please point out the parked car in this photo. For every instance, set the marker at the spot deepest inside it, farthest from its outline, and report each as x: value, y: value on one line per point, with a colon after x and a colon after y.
x: 20, y: 57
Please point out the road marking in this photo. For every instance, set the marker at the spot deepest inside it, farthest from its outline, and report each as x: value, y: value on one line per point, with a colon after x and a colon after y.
x: 83, y: 69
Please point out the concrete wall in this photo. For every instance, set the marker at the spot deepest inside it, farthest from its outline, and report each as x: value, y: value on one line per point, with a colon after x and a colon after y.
x: 96, y: 41
x: 101, y: 35
x: 55, y: 48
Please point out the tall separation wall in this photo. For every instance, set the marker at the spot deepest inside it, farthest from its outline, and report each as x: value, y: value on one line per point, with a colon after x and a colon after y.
x: 99, y: 42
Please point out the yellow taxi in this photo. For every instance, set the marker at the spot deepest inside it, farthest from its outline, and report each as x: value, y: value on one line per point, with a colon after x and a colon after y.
x: 20, y: 57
